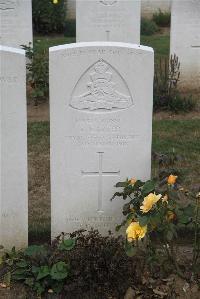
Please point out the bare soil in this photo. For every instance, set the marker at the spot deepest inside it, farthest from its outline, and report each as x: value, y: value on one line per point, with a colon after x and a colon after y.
x: 39, y: 112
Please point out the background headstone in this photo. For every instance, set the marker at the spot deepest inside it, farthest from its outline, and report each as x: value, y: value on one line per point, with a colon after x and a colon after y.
x: 148, y: 7
x: 13, y: 145
x: 108, y: 20
x: 101, y: 97
x: 16, y: 23
x: 185, y: 41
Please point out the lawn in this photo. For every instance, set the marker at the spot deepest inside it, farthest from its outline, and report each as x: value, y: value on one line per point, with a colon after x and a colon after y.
x: 181, y: 137
x: 160, y: 42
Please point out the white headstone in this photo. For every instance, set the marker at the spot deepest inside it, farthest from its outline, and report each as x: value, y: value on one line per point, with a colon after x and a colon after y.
x: 101, y: 99
x: 185, y: 41
x: 16, y: 23
x: 108, y: 20
x: 13, y: 149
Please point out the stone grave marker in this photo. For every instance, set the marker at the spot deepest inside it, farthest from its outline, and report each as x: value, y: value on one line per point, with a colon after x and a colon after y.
x: 185, y: 41
x: 13, y: 149
x: 108, y: 20
x: 101, y: 97
x: 16, y: 23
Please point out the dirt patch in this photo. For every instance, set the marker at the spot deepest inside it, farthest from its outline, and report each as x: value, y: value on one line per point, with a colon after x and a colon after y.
x: 39, y: 112
x: 180, y: 116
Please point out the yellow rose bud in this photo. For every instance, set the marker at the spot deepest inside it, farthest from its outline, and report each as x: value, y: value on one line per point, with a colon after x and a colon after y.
x: 170, y: 216
x: 165, y: 198
x: 135, y: 231
x: 171, y: 179
x: 55, y: 1
x: 132, y: 181
x: 149, y: 201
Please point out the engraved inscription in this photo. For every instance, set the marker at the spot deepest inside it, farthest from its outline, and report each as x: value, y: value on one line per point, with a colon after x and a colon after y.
x: 108, y: 140
x: 108, y: 2
x: 7, y: 5
x: 100, y: 173
x: 98, y: 125
x: 8, y: 79
x: 93, y: 221
x: 101, y: 92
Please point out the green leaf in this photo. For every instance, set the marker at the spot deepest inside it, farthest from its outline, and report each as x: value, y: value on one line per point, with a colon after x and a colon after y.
x: 119, y: 194
x: 22, y: 264
x: 184, y: 219
x: 29, y: 281
x: 38, y: 288
x: 143, y: 220
x: 67, y: 244
x: 35, y: 269
x: 43, y: 272
x: 59, y: 271
x: 130, y: 249
x: 118, y: 227
x: 169, y: 235
x: 130, y: 216
x: 19, y: 271
x: 121, y: 184
x: 35, y: 250
x: 148, y: 187
x: 126, y: 209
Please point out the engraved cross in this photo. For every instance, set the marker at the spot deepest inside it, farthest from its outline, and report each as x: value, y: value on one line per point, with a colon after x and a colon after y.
x: 100, y: 173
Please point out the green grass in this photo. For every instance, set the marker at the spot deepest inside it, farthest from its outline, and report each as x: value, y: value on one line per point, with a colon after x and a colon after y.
x: 182, y: 136
x: 45, y: 42
x: 159, y: 42
x: 38, y: 132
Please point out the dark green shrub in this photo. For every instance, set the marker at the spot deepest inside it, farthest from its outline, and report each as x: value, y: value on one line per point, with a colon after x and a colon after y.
x: 166, y: 94
x: 48, y: 17
x: 148, y: 27
x: 179, y: 103
x: 70, y: 28
x: 37, y: 73
x: 86, y: 265
x: 162, y: 19
x: 40, y: 267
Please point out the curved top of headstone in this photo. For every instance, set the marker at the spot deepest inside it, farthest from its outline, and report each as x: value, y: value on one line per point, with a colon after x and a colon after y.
x: 101, y: 44
x: 11, y: 49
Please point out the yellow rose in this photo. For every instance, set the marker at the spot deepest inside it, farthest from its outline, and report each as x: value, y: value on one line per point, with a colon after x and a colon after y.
x: 55, y: 1
x: 165, y: 198
x: 132, y: 181
x: 170, y: 216
x: 149, y: 201
x: 171, y: 179
x: 135, y: 231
